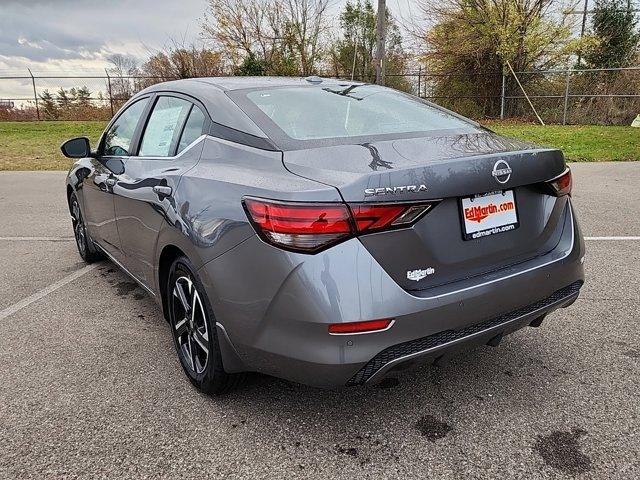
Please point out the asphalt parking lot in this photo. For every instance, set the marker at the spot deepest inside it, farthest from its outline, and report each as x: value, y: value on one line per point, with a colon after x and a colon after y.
x: 90, y: 385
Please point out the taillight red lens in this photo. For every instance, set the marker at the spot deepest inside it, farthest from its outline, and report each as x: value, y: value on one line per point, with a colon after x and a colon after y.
x: 382, y: 216
x: 298, y: 218
x: 306, y: 227
x: 375, y: 217
x: 360, y: 327
x: 562, y: 185
x: 310, y: 227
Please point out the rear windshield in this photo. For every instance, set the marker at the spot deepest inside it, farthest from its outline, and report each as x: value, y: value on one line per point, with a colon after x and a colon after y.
x: 313, y: 113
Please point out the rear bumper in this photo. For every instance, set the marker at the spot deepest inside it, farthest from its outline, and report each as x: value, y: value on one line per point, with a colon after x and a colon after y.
x: 276, y: 306
x: 436, y: 346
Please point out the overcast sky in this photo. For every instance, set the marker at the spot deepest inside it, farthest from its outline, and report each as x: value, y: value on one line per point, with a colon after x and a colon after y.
x: 59, y: 35
x: 77, y: 36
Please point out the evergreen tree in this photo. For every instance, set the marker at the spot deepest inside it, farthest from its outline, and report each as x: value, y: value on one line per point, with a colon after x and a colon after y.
x: 616, y: 34
x: 358, y: 25
x: 64, y: 99
x: 82, y: 97
x: 49, y: 106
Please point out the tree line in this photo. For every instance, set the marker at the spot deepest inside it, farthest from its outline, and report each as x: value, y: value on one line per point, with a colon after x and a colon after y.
x: 464, y: 47
x: 273, y: 37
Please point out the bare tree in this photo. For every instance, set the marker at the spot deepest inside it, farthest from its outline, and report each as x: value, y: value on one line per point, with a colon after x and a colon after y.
x: 306, y: 26
x: 284, y: 35
x: 182, y: 61
x: 123, y: 72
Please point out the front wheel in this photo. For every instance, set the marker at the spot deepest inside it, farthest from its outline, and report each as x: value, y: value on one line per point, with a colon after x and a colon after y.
x: 86, y: 248
x: 194, y: 331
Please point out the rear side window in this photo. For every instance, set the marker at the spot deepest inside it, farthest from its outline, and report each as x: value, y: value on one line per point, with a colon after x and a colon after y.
x: 192, y: 129
x: 118, y: 138
x: 164, y: 127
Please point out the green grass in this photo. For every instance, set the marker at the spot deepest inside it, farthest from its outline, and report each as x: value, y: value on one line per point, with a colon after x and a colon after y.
x: 590, y: 143
x: 36, y: 145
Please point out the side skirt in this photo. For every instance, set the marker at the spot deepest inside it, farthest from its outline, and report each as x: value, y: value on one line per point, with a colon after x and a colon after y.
x: 124, y: 269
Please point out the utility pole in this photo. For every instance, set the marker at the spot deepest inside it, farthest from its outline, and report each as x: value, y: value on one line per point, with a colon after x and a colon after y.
x: 584, y: 25
x: 381, y: 34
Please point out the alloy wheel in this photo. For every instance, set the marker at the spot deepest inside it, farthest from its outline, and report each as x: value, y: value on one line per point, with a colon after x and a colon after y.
x: 79, y: 231
x: 190, y: 325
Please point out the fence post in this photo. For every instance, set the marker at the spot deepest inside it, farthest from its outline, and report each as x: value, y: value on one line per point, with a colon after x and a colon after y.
x: 419, y: 76
x: 502, y: 95
x: 35, y: 93
x: 424, y: 84
x: 566, y: 97
x: 109, y: 87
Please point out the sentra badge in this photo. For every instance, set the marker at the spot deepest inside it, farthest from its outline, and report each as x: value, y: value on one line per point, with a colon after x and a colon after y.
x: 395, y: 190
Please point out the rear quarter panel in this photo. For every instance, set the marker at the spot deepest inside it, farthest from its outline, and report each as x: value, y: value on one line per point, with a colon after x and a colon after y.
x: 208, y: 218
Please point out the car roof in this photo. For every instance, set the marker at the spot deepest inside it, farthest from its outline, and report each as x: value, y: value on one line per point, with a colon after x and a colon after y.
x: 239, y: 83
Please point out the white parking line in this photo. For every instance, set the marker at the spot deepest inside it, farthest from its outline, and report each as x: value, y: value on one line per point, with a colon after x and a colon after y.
x: 44, y: 292
x: 37, y: 239
x: 597, y: 239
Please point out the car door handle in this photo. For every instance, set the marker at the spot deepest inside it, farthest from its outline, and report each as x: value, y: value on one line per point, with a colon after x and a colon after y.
x: 111, y: 181
x: 163, y: 190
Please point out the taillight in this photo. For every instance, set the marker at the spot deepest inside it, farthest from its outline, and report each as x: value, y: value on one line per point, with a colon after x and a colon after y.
x: 310, y: 227
x: 360, y: 327
x: 304, y: 227
x: 369, y: 218
x: 562, y: 185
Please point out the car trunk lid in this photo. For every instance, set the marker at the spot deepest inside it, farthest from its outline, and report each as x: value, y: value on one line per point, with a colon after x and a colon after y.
x: 436, y: 250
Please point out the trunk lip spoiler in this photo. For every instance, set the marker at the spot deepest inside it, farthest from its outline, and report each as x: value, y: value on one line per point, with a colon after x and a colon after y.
x: 564, y: 172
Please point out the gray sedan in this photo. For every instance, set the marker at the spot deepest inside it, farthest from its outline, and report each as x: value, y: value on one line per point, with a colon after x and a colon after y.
x: 326, y: 232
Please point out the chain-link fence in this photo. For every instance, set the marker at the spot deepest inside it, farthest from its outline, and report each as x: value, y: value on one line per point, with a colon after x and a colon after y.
x: 67, y: 97
x: 608, y: 96
x: 571, y: 96
x: 588, y: 96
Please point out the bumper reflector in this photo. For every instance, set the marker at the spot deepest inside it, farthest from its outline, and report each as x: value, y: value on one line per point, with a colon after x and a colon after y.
x: 360, y: 327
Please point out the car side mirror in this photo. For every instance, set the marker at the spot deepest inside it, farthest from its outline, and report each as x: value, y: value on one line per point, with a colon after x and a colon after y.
x: 76, y: 148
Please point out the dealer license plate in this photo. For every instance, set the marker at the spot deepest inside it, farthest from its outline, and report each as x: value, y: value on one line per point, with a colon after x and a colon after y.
x: 488, y: 213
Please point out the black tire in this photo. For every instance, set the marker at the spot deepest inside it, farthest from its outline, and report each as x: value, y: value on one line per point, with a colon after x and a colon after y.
x: 194, y: 330
x: 86, y: 248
